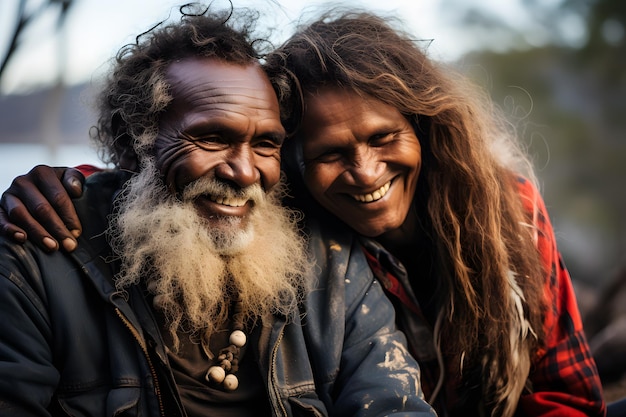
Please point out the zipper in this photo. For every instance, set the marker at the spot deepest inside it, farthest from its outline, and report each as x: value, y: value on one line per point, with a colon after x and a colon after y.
x: 144, y: 348
x: 278, y: 404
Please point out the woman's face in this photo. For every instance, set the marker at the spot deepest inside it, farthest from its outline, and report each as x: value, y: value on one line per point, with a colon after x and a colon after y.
x: 362, y: 159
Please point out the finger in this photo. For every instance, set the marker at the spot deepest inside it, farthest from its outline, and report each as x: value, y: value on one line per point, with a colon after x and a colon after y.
x: 32, y: 202
x: 60, y: 199
x: 33, y: 230
x: 9, y: 230
x: 33, y: 213
x: 72, y: 180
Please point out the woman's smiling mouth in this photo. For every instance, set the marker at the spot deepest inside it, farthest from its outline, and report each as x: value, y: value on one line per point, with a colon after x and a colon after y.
x: 373, y: 196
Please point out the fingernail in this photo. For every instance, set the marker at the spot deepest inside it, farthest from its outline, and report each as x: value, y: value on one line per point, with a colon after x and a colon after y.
x: 75, y: 233
x: 75, y: 183
x: 19, y: 236
x: 49, y: 243
x: 69, y: 244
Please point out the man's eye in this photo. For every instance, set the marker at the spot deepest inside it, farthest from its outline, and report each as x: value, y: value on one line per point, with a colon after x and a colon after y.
x: 267, y: 147
x: 207, y: 141
x: 196, y: 138
x: 210, y: 139
x: 267, y: 144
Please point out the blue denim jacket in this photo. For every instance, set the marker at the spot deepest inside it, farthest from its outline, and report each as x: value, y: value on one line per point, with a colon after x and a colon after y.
x: 70, y: 344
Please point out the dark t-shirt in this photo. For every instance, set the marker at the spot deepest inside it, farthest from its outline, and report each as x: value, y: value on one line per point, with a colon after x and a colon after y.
x: 202, y: 398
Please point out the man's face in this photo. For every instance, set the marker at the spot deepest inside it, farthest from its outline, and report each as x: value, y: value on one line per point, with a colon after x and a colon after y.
x: 223, y: 124
x: 200, y: 213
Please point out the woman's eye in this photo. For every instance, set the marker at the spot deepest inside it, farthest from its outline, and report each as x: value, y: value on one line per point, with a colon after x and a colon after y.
x: 329, y: 155
x: 381, y: 139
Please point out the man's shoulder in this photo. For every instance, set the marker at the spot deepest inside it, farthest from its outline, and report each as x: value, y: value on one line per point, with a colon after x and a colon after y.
x: 104, y: 184
x: 99, y: 192
x: 28, y: 266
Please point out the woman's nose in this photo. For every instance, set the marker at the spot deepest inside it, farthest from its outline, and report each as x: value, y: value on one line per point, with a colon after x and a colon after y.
x: 366, y: 168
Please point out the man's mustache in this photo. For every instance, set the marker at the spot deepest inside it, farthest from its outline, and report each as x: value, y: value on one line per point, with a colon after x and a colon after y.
x: 211, y: 187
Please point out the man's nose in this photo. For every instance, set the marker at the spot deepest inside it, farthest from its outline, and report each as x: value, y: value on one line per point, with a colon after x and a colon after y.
x: 239, y: 167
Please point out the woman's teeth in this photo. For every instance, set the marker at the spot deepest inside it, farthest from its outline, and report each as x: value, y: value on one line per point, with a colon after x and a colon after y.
x: 376, y: 195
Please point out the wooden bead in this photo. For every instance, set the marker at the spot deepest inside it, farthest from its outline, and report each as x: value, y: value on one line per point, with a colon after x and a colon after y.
x: 231, y: 382
x: 238, y: 338
x: 158, y: 301
x: 152, y: 287
x: 215, y: 374
x: 228, y: 357
x: 225, y: 364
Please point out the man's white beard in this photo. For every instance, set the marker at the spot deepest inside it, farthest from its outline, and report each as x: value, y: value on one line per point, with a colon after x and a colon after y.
x: 194, y: 270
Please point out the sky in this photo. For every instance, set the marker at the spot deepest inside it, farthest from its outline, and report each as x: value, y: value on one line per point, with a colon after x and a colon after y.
x: 97, y: 28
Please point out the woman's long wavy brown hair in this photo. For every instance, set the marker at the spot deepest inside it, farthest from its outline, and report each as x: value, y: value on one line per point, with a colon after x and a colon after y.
x: 467, y: 190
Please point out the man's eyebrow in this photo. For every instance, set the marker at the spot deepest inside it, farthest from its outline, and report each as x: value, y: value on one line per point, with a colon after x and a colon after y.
x: 278, y: 137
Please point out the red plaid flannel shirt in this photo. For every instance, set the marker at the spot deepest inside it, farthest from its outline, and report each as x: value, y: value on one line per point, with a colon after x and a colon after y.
x: 564, y: 377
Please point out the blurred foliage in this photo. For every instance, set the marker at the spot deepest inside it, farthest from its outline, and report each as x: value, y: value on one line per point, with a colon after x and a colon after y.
x: 25, y: 16
x: 560, y: 76
x: 567, y: 103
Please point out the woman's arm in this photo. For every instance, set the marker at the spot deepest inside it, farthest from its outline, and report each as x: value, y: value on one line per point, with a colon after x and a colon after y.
x: 564, y: 376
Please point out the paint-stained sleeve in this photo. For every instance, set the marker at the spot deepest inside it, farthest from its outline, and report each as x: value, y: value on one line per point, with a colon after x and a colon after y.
x: 372, y: 373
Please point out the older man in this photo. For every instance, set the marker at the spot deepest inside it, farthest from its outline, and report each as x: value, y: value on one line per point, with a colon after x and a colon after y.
x: 187, y: 294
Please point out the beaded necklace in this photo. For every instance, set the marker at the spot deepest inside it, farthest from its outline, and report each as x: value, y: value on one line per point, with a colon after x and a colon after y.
x: 227, y: 361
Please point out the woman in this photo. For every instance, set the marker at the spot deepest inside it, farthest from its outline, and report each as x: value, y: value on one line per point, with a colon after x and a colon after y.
x: 417, y: 163
x: 414, y: 160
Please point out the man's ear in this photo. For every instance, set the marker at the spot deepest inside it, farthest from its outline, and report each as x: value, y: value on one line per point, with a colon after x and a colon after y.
x: 126, y: 156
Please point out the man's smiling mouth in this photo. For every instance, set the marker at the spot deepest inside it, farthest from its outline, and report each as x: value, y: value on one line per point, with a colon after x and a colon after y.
x: 229, y: 201
x: 373, y: 196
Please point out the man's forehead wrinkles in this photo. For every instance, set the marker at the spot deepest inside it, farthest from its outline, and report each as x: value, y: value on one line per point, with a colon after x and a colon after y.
x: 228, y: 102
x: 225, y: 107
x: 217, y: 88
x: 229, y: 95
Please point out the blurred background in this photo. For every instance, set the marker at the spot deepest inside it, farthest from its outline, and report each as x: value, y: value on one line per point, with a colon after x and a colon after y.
x: 557, y: 68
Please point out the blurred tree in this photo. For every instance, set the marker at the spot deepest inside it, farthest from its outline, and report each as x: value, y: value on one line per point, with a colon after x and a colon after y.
x: 566, y: 97
x: 27, y: 14
x: 24, y: 18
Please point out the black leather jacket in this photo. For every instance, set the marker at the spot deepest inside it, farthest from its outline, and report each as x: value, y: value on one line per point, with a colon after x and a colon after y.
x: 70, y: 345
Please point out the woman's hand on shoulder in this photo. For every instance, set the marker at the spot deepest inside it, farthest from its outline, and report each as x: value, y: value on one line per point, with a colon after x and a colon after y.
x: 38, y: 207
